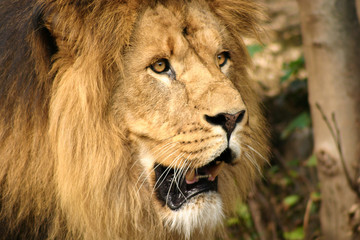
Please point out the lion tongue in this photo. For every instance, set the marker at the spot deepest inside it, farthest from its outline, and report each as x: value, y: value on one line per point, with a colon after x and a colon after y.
x: 211, y: 173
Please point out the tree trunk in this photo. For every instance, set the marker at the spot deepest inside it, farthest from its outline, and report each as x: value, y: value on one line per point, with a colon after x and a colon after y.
x: 331, y: 40
x: 358, y: 9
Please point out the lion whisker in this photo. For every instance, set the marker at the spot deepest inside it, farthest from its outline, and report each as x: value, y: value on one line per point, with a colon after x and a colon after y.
x: 179, y: 174
x: 176, y: 173
x: 253, y: 162
x: 161, y: 149
x: 185, y: 170
x: 252, y: 149
x: 153, y: 169
x: 166, y: 171
x: 172, y: 181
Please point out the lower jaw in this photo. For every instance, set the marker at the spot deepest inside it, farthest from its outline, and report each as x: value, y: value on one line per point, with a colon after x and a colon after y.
x: 179, y: 196
x: 202, y: 213
x: 174, y: 191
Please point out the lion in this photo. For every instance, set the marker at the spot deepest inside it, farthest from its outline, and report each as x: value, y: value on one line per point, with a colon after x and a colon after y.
x: 126, y: 119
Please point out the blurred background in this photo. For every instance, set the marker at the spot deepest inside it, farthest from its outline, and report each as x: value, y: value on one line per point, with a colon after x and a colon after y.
x: 307, y: 192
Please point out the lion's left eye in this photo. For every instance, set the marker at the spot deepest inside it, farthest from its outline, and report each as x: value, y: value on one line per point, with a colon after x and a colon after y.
x: 222, y: 58
x: 160, y: 66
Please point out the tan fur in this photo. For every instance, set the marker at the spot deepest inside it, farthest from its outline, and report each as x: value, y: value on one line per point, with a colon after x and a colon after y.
x: 83, y: 119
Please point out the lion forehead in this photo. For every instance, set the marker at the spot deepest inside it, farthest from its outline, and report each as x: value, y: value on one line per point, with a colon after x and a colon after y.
x: 170, y: 31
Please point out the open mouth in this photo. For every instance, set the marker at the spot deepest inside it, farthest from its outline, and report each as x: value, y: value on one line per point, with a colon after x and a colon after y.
x: 174, y: 188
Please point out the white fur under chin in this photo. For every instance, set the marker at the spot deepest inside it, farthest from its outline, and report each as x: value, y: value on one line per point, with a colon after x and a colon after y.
x: 201, y: 213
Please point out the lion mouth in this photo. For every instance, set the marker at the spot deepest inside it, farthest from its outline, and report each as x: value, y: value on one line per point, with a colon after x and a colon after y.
x: 173, y: 188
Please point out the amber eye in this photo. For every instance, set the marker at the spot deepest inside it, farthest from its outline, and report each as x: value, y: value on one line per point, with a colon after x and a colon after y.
x: 222, y: 58
x: 160, y: 66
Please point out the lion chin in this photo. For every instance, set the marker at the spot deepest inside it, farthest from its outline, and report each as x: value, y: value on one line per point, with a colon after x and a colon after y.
x: 203, y: 210
x: 190, y: 197
x: 126, y: 119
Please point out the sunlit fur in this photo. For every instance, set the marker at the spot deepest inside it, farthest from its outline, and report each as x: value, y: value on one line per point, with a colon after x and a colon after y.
x: 83, y: 120
x: 202, y: 214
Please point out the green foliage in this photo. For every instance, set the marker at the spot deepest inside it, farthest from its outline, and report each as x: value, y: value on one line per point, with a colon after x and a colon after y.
x: 297, y: 234
x: 293, y: 173
x: 292, y: 68
x: 242, y: 222
x: 273, y: 169
x: 312, y: 161
x: 232, y: 221
x: 315, y: 196
x: 293, y: 163
x: 291, y: 200
x: 243, y: 213
x: 255, y: 48
x: 286, y: 181
x: 301, y: 121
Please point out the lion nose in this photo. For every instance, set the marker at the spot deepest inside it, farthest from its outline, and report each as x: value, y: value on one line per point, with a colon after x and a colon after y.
x: 226, y: 120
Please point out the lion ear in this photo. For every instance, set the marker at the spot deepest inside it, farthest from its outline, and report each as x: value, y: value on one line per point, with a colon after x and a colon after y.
x: 241, y: 16
x: 42, y: 40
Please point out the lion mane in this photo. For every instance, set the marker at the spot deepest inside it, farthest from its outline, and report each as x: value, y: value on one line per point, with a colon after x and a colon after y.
x: 78, y: 121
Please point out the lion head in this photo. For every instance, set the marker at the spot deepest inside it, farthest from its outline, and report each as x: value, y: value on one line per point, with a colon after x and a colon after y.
x: 126, y: 120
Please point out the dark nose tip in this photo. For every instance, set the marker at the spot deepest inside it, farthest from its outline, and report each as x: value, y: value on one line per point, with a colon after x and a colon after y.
x: 226, y: 120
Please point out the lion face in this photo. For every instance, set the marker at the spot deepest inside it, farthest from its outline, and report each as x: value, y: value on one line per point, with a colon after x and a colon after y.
x: 189, y: 122
x: 126, y: 119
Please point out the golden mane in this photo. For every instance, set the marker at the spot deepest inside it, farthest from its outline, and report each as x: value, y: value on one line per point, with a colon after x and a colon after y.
x: 66, y: 167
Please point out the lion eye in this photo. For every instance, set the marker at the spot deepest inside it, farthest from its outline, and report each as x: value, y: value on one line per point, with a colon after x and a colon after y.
x: 222, y: 58
x: 160, y: 66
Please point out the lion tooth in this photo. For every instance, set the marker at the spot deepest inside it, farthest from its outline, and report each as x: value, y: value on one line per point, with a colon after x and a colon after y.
x: 217, y: 162
x: 190, y: 177
x: 215, y: 171
x: 203, y: 176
